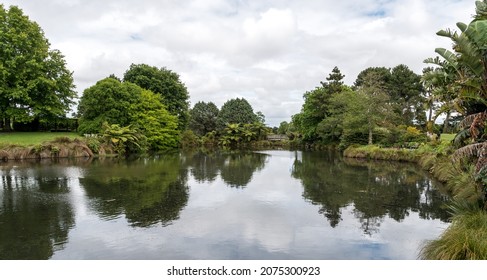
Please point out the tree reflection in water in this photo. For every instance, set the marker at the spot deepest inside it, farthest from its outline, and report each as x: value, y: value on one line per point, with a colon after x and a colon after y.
x: 235, y: 168
x: 35, y: 212
x: 376, y: 189
x: 147, y: 191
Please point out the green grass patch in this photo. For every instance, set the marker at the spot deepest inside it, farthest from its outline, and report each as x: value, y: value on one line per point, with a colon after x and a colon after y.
x: 447, y: 137
x: 375, y: 152
x: 32, y: 138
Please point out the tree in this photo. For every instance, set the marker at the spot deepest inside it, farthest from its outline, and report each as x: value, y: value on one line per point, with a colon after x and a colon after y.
x: 440, y: 85
x: 334, y: 81
x: 313, y: 111
x: 406, y: 93
x: 405, y: 90
x: 382, y: 73
x: 109, y: 101
x: 203, y: 118
x: 235, y: 111
x: 368, y: 108
x: 126, y: 104
x: 283, y: 127
x: 330, y: 129
x: 165, y: 82
x: 34, y: 80
x: 150, y: 116
x: 316, y: 105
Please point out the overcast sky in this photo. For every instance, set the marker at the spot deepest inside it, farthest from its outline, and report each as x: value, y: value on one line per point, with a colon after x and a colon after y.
x: 269, y: 52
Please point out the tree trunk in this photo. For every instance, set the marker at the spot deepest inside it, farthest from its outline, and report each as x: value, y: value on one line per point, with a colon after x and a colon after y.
x: 430, y: 115
x: 370, y: 136
x: 447, y: 120
x: 7, y: 125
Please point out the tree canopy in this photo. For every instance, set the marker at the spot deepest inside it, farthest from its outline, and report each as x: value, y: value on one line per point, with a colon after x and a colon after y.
x: 34, y: 80
x: 235, y: 111
x: 127, y: 104
x: 203, y: 118
x: 167, y: 84
x: 316, y: 105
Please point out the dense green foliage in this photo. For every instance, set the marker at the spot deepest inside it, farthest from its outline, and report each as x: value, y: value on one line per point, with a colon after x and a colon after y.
x: 234, y: 111
x: 317, y: 106
x: 466, y: 69
x: 108, y: 101
x: 167, y: 84
x: 203, y: 118
x: 124, y: 104
x: 379, y: 101
x: 406, y: 93
x: 123, y: 139
x: 34, y: 80
x: 236, y: 134
x: 154, y: 121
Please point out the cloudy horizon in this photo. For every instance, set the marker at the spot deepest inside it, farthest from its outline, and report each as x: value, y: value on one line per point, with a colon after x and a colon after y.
x: 269, y: 52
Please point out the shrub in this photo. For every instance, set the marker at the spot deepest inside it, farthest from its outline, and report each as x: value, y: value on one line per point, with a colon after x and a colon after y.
x: 189, y: 139
x: 123, y: 139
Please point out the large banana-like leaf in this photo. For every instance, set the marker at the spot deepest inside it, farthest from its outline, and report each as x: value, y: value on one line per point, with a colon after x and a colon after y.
x: 481, y: 10
x: 461, y: 137
x: 477, y: 32
x: 472, y: 150
x: 435, y: 61
x: 468, y: 120
x: 450, y: 57
x: 447, y: 33
x: 462, y: 26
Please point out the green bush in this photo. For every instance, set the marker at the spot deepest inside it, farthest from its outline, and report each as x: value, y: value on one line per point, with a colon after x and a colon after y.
x: 93, y: 143
x: 124, y: 140
x: 189, y: 139
x: 210, y: 139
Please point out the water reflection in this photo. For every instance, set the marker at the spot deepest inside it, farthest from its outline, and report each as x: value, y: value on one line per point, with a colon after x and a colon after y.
x: 222, y: 205
x: 235, y: 168
x: 146, y: 191
x: 375, y: 189
x: 35, y: 214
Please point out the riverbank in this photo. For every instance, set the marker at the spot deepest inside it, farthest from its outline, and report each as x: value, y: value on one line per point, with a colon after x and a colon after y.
x: 61, y: 147
x: 466, y: 237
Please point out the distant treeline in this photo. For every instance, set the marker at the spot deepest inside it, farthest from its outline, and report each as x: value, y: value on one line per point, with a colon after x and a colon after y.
x: 37, y: 125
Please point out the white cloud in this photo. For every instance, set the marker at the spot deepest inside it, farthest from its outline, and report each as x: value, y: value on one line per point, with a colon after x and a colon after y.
x: 270, y: 52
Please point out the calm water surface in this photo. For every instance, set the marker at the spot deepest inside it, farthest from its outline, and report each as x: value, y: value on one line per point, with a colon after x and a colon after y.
x: 240, y: 205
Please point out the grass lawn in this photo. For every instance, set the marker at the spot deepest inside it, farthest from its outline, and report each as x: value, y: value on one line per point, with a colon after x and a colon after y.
x: 447, y: 137
x: 32, y: 138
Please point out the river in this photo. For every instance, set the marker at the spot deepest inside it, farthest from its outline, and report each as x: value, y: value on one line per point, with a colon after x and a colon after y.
x: 221, y: 205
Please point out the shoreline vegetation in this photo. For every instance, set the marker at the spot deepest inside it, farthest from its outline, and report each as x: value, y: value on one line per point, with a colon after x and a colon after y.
x: 466, y: 237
